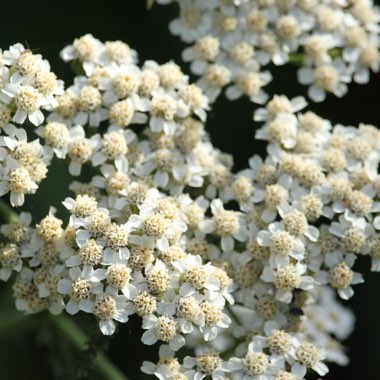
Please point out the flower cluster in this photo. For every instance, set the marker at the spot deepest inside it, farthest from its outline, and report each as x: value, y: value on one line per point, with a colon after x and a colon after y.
x: 242, y: 268
x: 231, y: 41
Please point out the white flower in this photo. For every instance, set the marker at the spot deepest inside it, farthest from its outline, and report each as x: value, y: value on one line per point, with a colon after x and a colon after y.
x: 162, y: 328
x: 325, y: 78
x: 81, y: 285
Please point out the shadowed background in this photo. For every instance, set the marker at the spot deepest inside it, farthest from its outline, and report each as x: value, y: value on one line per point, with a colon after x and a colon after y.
x: 46, y: 27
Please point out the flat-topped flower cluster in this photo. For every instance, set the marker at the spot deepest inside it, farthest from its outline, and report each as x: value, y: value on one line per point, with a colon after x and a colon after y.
x: 242, y: 268
x: 231, y: 41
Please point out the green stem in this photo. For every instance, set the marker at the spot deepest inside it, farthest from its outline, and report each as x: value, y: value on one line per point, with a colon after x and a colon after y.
x: 6, y: 212
x: 297, y: 58
x: 76, y: 336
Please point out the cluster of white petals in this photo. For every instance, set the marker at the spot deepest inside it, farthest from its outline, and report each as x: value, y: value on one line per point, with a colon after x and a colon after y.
x: 242, y: 269
x: 231, y: 42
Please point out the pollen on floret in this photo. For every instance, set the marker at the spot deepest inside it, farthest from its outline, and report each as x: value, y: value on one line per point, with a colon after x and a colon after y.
x: 90, y: 253
x: 369, y: 55
x: 45, y: 82
x: 212, y: 313
x: 359, y: 148
x: 242, y: 188
x: 113, y: 145
x: 359, y: 202
x: 188, y: 308
x: 249, y: 83
x: 155, y: 225
x: 312, y: 207
x: 360, y: 178
x: 118, y: 51
x: 266, y: 174
x: 56, y: 134
x: 140, y: 257
x: 121, y: 113
x: 5, y: 115
x: 328, y: 19
x: 308, y: 354
x: 144, y: 304
x: 70, y: 237
x: 190, y: 135
x: 242, y: 53
x: 150, y: 82
x: 287, y: 27
x: 208, y: 363
x: 98, y: 223
x: 165, y: 159
x: 84, y: 48
x: 173, y: 253
x: 158, y: 281
x: 80, y: 151
x: 315, y: 47
x: 48, y: 254
x: 84, y: 205
x: 50, y: 228
x: 19, y: 180
x: 90, y: 99
x: 164, y: 106
x: 374, y: 247
x: 166, y: 328
x: 136, y: 193
x: 340, y: 276
x: 278, y: 131
x: 198, y: 247
x: 105, y: 307
x: 334, y: 159
x: 170, y: 75
x: 118, y: 275
x: 310, y: 121
x: 192, y: 95
x: 225, y: 23
x: 278, y: 104
x: 255, y: 363
x: 295, y: 222
x: 354, y: 239
x: 28, y: 99
x: 125, y: 84
x: 226, y: 223
x: 275, y: 195
x: 246, y: 275
x: 287, y: 278
x: 339, y: 188
x: 80, y: 290
x: 207, y: 47
x: 326, y: 77
x: 27, y: 64
x: 219, y: 175
x: 217, y: 75
x: 67, y: 105
x: 117, y: 182
x: 256, y: 21
x: 116, y: 235
x: 17, y: 232
x: 279, y: 341
x: 222, y: 276
x: 197, y: 276
x: 9, y: 256
x: 257, y: 251
x: 282, y: 243
x: 282, y: 375
x: 363, y: 11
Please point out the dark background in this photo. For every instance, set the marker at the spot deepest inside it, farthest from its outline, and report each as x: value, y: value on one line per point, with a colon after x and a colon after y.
x: 46, y: 27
